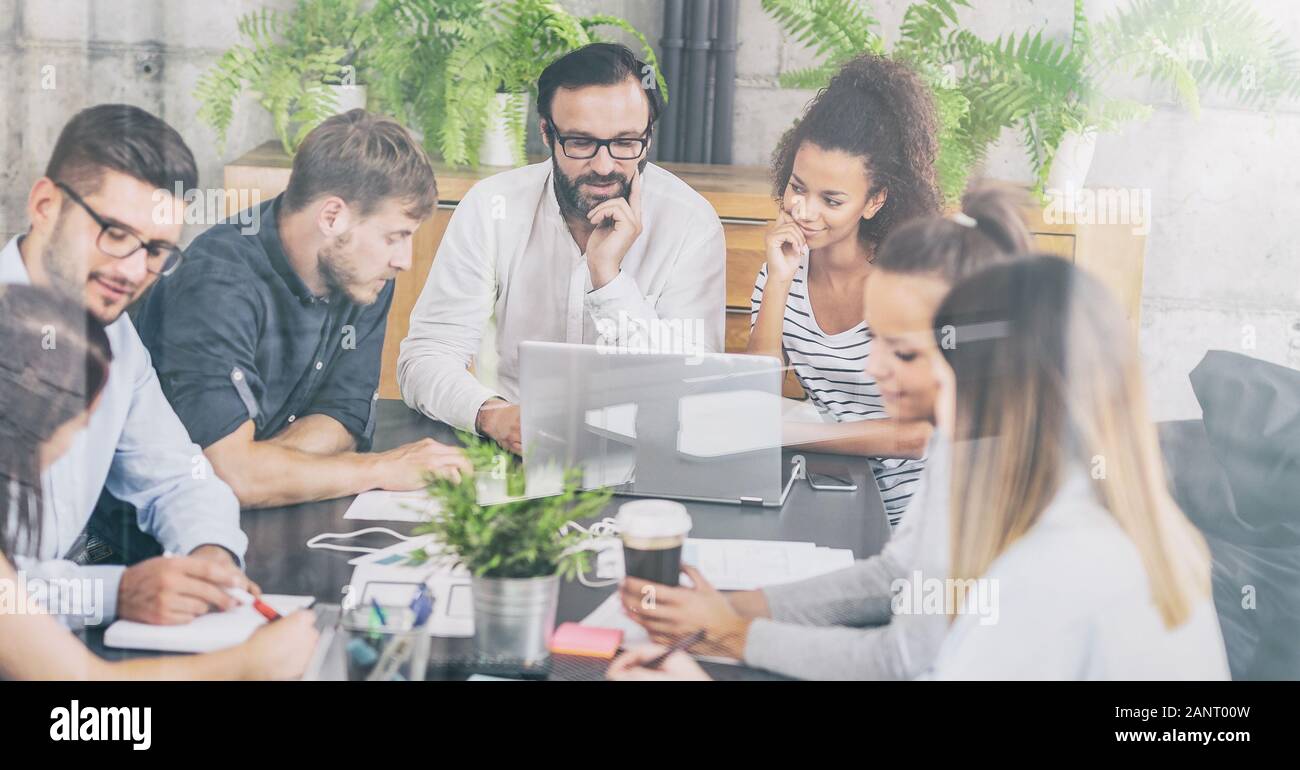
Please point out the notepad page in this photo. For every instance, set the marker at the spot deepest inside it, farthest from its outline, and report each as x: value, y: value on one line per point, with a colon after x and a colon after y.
x: 206, y: 633
x: 379, y: 505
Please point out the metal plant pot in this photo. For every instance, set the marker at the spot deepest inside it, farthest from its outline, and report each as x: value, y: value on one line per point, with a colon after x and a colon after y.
x: 514, y: 617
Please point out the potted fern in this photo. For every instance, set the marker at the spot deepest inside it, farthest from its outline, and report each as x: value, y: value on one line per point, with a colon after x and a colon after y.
x: 303, y: 67
x: 839, y: 30
x: 1223, y: 45
x: 464, y: 69
x: 1051, y: 93
x: 516, y: 552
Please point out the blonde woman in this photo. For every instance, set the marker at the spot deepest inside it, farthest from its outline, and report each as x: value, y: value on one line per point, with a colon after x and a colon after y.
x: 1069, y: 558
x: 840, y: 625
x: 1058, y: 492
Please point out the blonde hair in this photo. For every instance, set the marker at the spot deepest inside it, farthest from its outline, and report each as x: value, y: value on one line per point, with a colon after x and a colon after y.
x: 1048, y: 378
x: 365, y: 159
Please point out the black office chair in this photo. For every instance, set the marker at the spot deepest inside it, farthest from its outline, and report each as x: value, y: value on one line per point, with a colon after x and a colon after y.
x: 1236, y: 474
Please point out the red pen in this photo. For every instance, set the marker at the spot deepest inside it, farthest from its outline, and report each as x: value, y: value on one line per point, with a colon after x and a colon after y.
x: 262, y: 607
x: 265, y: 609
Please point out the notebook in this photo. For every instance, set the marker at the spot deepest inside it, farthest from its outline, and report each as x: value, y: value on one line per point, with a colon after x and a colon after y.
x: 206, y: 633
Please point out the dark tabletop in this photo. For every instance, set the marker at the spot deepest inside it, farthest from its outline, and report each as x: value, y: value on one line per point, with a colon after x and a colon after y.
x: 279, y: 561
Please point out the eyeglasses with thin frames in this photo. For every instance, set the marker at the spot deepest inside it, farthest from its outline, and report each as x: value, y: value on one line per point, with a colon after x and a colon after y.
x: 118, y: 242
x: 586, y: 147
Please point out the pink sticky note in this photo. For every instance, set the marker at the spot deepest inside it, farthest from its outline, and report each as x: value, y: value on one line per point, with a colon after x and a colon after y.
x: 577, y: 639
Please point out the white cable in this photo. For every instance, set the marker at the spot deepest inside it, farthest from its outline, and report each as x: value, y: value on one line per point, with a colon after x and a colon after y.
x: 605, y: 529
x: 315, y: 541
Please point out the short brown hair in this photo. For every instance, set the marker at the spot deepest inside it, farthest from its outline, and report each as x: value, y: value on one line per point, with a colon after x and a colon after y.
x: 364, y: 159
x: 123, y: 138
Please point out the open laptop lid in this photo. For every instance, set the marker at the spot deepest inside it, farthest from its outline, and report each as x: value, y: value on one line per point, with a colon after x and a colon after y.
x: 695, y: 427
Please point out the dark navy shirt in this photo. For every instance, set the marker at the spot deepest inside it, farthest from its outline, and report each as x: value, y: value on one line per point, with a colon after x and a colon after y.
x: 236, y: 335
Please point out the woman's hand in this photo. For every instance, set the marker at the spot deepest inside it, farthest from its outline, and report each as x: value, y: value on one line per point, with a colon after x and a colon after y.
x: 786, y: 248
x: 669, y: 614
x: 282, y: 648
x: 630, y: 666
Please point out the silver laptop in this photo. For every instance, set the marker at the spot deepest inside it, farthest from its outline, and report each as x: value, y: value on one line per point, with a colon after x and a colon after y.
x: 692, y: 427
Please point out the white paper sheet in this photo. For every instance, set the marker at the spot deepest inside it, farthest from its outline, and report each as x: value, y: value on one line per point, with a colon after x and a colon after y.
x: 380, y: 505
x: 214, y: 631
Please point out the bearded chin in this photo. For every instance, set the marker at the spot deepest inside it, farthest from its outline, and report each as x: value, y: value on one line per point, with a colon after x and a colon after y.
x: 573, y: 202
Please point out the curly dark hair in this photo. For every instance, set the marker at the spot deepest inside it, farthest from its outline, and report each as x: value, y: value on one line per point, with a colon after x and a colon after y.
x: 881, y: 111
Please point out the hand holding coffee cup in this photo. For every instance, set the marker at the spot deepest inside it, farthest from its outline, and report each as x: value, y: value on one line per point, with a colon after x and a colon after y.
x: 653, y: 533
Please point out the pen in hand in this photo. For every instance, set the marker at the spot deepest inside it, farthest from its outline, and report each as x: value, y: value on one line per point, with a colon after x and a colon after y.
x: 677, y: 646
x: 262, y: 607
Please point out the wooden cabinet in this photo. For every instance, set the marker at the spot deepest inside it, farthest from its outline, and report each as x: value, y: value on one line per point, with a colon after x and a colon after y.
x: 741, y: 195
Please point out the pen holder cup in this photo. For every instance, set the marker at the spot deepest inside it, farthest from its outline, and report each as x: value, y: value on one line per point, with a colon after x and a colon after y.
x: 392, y: 650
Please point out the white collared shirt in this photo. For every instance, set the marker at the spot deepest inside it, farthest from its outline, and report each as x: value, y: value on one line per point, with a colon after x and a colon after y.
x: 508, y: 256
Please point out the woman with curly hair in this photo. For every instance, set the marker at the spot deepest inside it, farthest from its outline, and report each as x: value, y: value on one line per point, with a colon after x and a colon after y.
x: 858, y: 164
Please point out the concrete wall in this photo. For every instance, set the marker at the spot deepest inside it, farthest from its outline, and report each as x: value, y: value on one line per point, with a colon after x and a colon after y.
x: 1223, y: 260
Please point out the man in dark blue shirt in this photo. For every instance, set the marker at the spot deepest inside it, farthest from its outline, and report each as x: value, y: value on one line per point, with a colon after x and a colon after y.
x: 268, y: 339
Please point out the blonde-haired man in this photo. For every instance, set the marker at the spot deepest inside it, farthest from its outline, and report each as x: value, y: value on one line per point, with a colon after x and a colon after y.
x: 268, y: 341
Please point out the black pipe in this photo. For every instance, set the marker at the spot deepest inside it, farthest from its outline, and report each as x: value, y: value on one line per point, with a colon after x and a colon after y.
x: 668, y: 135
x: 698, y: 84
x: 724, y: 81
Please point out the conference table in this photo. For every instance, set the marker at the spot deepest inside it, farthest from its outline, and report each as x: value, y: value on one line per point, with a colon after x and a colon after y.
x: 280, y: 562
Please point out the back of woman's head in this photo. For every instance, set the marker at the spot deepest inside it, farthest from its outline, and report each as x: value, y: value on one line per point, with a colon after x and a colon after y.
x: 1048, y: 383
x: 990, y: 228
x: 54, y: 361
x: 878, y: 110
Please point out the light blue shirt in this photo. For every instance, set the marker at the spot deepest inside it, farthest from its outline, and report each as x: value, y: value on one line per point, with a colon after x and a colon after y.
x: 137, y: 448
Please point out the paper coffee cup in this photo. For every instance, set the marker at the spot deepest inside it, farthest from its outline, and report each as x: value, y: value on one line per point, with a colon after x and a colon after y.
x: 653, y: 533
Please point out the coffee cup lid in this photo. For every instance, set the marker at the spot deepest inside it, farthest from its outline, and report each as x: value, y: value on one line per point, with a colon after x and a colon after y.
x: 653, y: 518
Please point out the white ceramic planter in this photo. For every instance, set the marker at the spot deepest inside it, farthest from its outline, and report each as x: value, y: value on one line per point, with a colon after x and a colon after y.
x: 496, y: 149
x: 348, y: 97
x: 1073, y: 159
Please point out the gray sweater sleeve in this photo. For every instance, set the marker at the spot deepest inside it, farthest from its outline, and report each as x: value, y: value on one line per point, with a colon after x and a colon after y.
x: 902, y: 649
x: 811, y: 633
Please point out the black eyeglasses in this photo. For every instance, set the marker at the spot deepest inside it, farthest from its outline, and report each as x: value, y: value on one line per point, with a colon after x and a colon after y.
x: 116, y: 241
x: 584, y: 147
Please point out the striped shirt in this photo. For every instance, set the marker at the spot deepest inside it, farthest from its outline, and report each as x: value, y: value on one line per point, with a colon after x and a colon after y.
x: 832, y: 370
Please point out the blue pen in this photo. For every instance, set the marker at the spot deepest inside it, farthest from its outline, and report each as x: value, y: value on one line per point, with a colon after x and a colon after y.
x: 422, y: 605
x: 379, y: 611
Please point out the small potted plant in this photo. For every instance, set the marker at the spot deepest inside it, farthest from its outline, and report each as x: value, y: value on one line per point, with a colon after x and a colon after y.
x: 516, y: 551
x: 302, y: 67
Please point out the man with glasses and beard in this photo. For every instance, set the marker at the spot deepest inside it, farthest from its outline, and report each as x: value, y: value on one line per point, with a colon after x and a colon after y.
x: 104, y: 227
x: 596, y: 244
x: 268, y: 342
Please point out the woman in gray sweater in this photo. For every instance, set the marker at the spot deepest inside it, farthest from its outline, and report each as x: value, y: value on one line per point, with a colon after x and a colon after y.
x: 1068, y: 558
x: 845, y: 625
